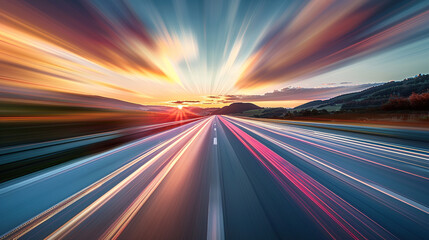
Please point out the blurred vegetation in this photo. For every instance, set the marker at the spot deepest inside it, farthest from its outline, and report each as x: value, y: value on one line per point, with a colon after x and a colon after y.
x: 27, y: 109
x: 413, y: 102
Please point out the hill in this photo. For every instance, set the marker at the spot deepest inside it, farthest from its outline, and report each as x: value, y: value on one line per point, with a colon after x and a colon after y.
x: 201, y: 111
x: 236, y: 108
x: 373, y: 97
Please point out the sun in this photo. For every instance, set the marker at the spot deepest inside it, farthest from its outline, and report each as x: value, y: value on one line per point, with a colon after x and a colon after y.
x: 180, y: 107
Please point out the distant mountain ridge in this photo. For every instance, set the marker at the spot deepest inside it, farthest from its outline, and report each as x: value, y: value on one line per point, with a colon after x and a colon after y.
x: 236, y: 108
x: 373, y: 97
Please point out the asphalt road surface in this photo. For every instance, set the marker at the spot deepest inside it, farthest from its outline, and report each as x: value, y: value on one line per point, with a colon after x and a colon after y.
x: 229, y: 178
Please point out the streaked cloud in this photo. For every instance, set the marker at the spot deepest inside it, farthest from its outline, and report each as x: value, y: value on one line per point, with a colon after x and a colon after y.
x: 155, y: 52
x: 114, y: 39
x: 325, y: 35
x: 186, y: 102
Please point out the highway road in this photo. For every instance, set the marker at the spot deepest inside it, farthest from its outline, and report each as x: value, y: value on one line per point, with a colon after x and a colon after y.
x: 224, y: 177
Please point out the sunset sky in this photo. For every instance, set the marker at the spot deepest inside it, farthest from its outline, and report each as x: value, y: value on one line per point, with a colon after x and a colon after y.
x: 211, y: 53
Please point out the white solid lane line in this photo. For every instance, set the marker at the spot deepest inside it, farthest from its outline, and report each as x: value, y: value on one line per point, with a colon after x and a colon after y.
x: 215, y: 223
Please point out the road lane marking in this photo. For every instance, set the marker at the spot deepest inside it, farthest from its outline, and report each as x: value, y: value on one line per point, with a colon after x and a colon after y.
x: 215, y: 223
x: 214, y: 141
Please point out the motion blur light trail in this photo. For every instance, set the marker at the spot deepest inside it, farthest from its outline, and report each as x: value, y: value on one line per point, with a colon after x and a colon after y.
x: 224, y: 178
x: 400, y: 159
x: 149, y: 160
x: 321, y: 197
